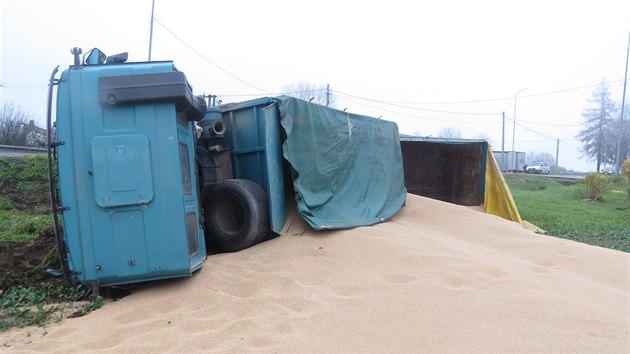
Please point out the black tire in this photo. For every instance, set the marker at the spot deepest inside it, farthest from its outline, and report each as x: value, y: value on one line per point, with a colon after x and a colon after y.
x: 237, y: 214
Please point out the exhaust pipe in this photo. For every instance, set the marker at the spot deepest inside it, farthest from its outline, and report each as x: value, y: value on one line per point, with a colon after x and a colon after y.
x: 217, y: 128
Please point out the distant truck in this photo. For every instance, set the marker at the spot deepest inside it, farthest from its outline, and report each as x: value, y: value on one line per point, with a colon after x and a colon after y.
x: 511, y: 161
x: 143, y: 173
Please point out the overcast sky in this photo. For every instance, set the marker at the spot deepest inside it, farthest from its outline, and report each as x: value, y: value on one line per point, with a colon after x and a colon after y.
x: 425, y: 64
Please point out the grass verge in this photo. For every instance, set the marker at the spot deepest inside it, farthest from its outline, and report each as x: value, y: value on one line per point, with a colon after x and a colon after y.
x: 24, y: 198
x: 559, y: 207
x: 27, y: 245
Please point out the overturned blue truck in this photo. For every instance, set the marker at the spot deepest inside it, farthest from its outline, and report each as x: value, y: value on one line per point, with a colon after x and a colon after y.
x: 144, y: 174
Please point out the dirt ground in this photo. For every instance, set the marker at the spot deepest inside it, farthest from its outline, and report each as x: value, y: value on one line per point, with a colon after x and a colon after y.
x: 23, y: 263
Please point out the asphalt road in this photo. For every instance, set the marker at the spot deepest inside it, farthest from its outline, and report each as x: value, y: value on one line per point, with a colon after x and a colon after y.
x: 566, y: 176
x: 555, y: 176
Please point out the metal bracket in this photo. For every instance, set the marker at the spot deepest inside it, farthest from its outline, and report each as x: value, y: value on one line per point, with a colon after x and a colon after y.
x: 62, y: 209
x: 202, y: 222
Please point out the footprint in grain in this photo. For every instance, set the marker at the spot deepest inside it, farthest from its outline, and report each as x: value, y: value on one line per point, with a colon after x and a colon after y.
x: 347, y: 291
x: 398, y: 278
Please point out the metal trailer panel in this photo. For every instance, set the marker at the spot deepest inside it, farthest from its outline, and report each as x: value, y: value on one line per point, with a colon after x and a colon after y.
x: 126, y: 177
x: 448, y: 170
x: 254, y: 138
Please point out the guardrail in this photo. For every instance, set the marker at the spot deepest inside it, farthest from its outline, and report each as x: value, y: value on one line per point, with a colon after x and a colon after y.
x: 10, y: 150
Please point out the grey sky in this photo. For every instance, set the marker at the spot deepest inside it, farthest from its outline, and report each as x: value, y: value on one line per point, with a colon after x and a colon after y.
x: 413, y: 62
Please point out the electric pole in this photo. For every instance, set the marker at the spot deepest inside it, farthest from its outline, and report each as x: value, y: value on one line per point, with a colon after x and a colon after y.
x: 623, y: 103
x: 327, y: 95
x: 151, y: 30
x: 514, y: 129
x: 557, y: 151
x: 503, y: 142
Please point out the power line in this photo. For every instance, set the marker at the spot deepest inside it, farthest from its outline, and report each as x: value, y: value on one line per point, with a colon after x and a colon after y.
x: 289, y: 93
x: 425, y: 118
x: 499, y: 98
x: 534, y: 141
x: 415, y: 108
x: 551, y: 124
x: 399, y: 104
x: 564, y: 141
x: 571, y: 89
x: 547, y: 136
x: 536, y: 132
x: 403, y: 103
x: 206, y: 59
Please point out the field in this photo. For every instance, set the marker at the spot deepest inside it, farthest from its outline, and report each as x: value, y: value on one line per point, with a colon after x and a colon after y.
x: 558, y: 206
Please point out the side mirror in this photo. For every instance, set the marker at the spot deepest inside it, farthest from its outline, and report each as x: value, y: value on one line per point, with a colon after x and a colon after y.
x: 94, y: 56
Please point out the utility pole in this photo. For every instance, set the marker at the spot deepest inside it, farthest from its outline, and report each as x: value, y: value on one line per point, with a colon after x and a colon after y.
x: 557, y: 152
x: 503, y: 142
x: 327, y: 95
x: 623, y: 103
x: 151, y: 30
x: 514, y: 128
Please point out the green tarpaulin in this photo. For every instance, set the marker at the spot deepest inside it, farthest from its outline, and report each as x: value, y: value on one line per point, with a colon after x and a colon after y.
x: 347, y: 168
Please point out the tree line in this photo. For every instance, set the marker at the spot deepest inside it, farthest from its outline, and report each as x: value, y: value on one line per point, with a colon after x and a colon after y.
x: 18, y: 128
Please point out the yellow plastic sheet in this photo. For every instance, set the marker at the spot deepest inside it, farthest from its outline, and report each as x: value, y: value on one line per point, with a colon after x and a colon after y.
x: 498, y: 198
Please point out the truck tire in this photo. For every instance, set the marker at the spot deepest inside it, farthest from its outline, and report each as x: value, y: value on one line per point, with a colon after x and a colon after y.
x: 237, y: 214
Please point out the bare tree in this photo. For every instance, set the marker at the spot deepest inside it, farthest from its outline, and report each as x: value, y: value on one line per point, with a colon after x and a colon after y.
x: 315, y: 93
x: 18, y: 128
x: 450, y: 133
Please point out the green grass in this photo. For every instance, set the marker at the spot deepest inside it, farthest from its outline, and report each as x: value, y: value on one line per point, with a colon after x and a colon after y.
x: 559, y: 207
x: 27, y: 174
x: 24, y: 198
x: 24, y: 216
x: 21, y: 306
x: 16, y: 226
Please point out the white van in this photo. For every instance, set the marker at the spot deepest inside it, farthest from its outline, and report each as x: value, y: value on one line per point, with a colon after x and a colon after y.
x: 538, y: 167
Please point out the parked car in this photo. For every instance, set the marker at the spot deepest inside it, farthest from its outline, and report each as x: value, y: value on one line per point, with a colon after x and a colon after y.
x: 538, y: 167
x: 609, y: 171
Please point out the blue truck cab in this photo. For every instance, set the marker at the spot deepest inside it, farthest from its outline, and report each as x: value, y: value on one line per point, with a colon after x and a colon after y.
x: 143, y: 173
